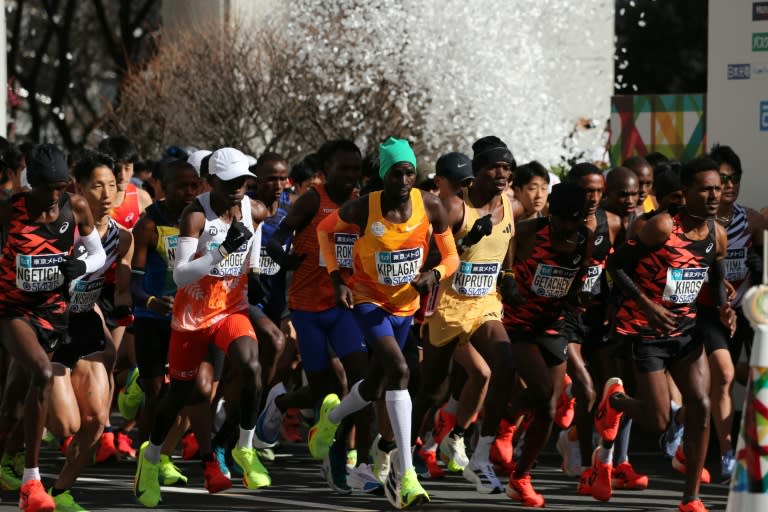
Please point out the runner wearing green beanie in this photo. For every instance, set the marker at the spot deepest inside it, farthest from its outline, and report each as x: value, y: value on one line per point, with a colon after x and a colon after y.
x: 393, y: 151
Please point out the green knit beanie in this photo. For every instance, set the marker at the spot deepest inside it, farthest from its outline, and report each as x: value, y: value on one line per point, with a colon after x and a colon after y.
x: 392, y: 152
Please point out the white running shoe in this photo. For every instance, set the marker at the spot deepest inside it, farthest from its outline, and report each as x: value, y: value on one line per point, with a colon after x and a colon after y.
x: 571, y: 454
x: 483, y: 476
x: 268, y: 422
x: 361, y: 479
x: 381, y: 461
x: 454, y: 453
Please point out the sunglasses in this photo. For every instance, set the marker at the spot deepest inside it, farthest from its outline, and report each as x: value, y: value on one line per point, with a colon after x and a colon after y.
x: 733, y: 178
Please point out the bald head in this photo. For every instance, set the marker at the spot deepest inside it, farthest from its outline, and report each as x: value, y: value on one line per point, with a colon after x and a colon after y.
x: 621, y: 191
x: 619, y: 177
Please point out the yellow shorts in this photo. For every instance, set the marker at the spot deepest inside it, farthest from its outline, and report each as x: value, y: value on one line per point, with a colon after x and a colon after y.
x: 459, y: 317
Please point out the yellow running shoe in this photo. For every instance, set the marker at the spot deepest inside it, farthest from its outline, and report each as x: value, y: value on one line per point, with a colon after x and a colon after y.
x: 169, y: 474
x: 130, y: 397
x: 255, y: 475
x: 146, y: 483
x: 66, y: 503
x: 320, y: 436
x: 9, y: 479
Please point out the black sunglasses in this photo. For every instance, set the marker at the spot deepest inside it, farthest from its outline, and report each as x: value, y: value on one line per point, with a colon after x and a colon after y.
x: 733, y: 178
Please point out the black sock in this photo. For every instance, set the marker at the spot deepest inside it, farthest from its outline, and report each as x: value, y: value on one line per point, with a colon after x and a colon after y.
x: 55, y: 492
x: 386, y: 446
x: 458, y: 431
x: 206, y: 458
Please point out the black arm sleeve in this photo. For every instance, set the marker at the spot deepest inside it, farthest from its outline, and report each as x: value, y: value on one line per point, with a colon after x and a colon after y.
x: 716, y: 285
x: 275, y: 244
x: 138, y: 294
x: 622, y: 264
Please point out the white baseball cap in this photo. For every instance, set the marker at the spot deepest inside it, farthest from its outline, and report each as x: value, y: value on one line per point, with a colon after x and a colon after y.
x: 229, y: 164
x: 196, y: 158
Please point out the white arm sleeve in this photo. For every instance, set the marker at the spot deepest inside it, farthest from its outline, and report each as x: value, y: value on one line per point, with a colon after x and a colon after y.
x: 255, y: 263
x: 188, y: 270
x: 96, y: 255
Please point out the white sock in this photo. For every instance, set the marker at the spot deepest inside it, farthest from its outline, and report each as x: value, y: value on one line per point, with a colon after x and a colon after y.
x: 399, y: 410
x: 451, y: 406
x: 482, y: 452
x: 605, y: 455
x: 30, y: 474
x: 152, y: 453
x: 351, y: 403
x: 246, y: 438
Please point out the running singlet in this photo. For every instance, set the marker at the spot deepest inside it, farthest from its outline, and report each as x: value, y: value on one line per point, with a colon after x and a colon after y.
x: 224, y: 290
x: 544, y: 280
x: 311, y: 288
x: 30, y: 280
x: 158, y: 271
x: 671, y: 276
x: 389, y: 256
x: 602, y: 247
x: 85, y: 291
x: 128, y: 213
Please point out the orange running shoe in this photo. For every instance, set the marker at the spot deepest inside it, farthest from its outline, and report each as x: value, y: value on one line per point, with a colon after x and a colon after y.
x: 125, y: 446
x: 565, y: 405
x: 444, y: 423
x: 521, y: 489
x: 600, y: 480
x: 624, y: 477
x: 607, y: 418
x: 692, y: 506
x: 585, y: 487
x: 189, y: 446
x: 678, y: 463
x: 430, y: 460
x: 215, y: 481
x: 33, y: 498
x: 291, y: 426
x: 106, y: 449
x: 502, y: 451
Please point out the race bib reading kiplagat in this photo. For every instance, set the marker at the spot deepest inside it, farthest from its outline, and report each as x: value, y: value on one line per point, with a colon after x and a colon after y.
x: 398, y: 267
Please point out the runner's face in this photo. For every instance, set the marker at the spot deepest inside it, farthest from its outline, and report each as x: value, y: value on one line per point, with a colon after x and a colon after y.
x: 564, y: 229
x: 399, y: 181
x: 645, y: 181
x: 493, y: 178
x: 49, y: 194
x: 676, y: 198
x: 592, y: 185
x: 533, y: 195
x: 624, y: 199
x: 124, y: 174
x: 182, y: 187
x: 731, y: 184
x: 230, y: 192
x: 703, y: 196
x: 272, y: 180
x: 100, y: 190
x: 343, y: 171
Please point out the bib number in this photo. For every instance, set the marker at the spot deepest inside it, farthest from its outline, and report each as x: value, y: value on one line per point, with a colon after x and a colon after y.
x: 475, y: 279
x: 267, y: 266
x: 592, y: 283
x: 38, y: 273
x: 551, y: 281
x: 398, y: 267
x: 84, y: 294
x: 169, y: 250
x: 683, y: 284
x: 736, y: 264
x: 343, y: 244
x: 233, y: 264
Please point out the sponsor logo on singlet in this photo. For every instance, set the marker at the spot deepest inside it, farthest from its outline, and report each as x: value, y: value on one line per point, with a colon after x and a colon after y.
x: 683, y: 284
x: 398, y: 267
x: 474, y: 279
x: 552, y: 281
x: 39, y: 273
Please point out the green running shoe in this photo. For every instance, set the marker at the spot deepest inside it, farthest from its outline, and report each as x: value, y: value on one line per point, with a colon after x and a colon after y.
x: 146, y: 483
x: 66, y: 503
x: 169, y: 474
x: 255, y: 475
x: 321, y: 434
x: 130, y: 397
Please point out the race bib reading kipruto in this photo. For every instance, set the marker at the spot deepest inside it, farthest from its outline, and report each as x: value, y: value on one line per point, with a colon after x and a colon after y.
x: 84, y: 294
x: 39, y: 273
x: 683, y: 284
x: 343, y: 244
x: 736, y: 264
x: 551, y: 281
x: 398, y: 267
x: 592, y: 283
x: 474, y: 279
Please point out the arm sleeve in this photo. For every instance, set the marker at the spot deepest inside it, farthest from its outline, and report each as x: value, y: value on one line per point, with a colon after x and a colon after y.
x: 622, y: 264
x: 138, y: 293
x: 716, y: 285
x: 255, y: 259
x: 449, y: 257
x: 329, y: 225
x: 275, y: 244
x: 188, y: 270
x: 96, y: 255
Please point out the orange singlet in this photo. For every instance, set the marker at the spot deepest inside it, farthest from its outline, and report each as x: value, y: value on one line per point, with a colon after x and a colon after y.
x: 389, y: 256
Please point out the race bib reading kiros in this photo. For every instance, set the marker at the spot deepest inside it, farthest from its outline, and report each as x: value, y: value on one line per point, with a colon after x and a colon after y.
x: 551, y: 281
x: 474, y: 279
x: 343, y: 244
x: 398, y: 267
x: 39, y: 273
x: 683, y: 284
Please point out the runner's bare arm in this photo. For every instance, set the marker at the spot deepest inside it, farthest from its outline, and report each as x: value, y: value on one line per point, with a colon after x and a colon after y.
x: 144, y: 237
x: 297, y: 219
x: 144, y: 199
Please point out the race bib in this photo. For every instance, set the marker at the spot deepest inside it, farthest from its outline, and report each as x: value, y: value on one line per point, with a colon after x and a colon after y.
x: 343, y: 244
x: 398, y: 267
x: 268, y: 266
x: 683, y: 284
x: 592, y: 283
x: 39, y: 273
x: 736, y: 264
x: 551, y: 281
x: 84, y: 294
x: 475, y: 279
x: 233, y: 264
x: 168, y: 243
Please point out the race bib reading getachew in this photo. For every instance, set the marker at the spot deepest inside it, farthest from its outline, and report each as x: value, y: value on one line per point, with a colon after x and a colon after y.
x: 39, y: 273
x: 474, y: 279
x: 398, y: 267
x: 683, y: 284
x: 551, y: 281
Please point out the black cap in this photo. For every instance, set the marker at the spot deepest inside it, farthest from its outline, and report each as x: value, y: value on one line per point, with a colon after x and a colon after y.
x: 665, y: 182
x: 46, y: 164
x: 567, y: 200
x: 489, y: 150
x: 455, y: 167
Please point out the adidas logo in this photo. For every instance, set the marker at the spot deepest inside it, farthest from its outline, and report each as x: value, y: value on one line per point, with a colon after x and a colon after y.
x: 508, y: 229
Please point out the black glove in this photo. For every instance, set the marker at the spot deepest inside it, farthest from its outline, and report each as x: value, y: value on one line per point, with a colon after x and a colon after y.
x: 237, y: 235
x: 755, y: 266
x: 256, y: 289
x: 71, y: 267
x: 122, y: 315
x: 510, y: 293
x: 482, y: 227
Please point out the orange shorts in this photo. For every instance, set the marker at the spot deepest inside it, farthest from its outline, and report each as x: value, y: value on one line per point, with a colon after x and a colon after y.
x: 187, y: 349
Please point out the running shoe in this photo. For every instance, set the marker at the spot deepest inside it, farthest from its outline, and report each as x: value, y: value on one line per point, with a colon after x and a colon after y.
x: 146, y: 483
x: 585, y: 487
x: 268, y: 423
x: 429, y: 457
x: 443, y: 424
x: 502, y: 449
x: 521, y: 489
x: 220, y: 454
x: 678, y: 464
x: 64, y: 502
x: 189, y: 446
x: 263, y: 450
x: 19, y: 461
x: 334, y: 468
x: 215, y: 480
x: 607, y: 418
x: 351, y: 458
x: 255, y: 475
x: 673, y: 436
x: 454, y: 453
x: 169, y: 474
x: 403, y: 489
x: 571, y: 454
x: 361, y: 479
x: 692, y: 506
x: 33, y: 498
x: 727, y: 464
x: 321, y: 434
x: 291, y: 426
x: 624, y: 477
x: 600, y: 479
x: 130, y: 396
x: 65, y: 445
x: 381, y: 461
x: 10, y: 480
x: 484, y: 478
x: 106, y: 449
x: 124, y: 446
x: 566, y: 403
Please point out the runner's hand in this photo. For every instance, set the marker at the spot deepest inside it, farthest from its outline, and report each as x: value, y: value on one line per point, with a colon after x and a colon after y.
x: 482, y: 227
x: 728, y: 318
x: 659, y: 317
x: 161, y: 305
x: 730, y: 291
x: 425, y: 281
x: 71, y: 267
x: 237, y: 235
x: 344, y: 296
x: 510, y: 292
